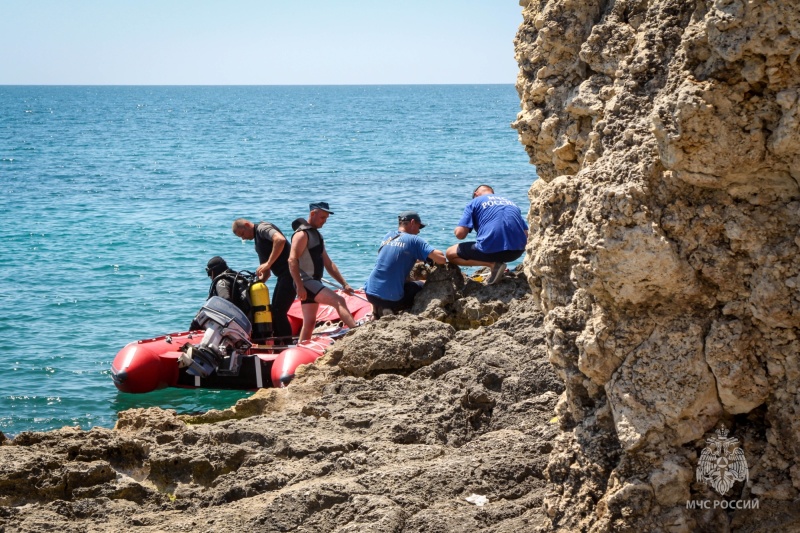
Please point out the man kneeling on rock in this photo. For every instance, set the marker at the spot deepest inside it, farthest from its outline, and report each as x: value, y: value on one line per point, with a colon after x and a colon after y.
x: 386, y: 287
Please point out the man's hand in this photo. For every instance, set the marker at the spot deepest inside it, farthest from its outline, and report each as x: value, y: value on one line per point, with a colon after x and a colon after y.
x: 348, y: 289
x: 301, y: 292
x: 262, y: 272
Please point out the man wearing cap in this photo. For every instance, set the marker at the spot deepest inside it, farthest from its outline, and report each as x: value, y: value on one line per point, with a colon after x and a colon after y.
x: 307, y: 258
x: 502, y: 233
x: 387, y: 288
x: 273, y: 255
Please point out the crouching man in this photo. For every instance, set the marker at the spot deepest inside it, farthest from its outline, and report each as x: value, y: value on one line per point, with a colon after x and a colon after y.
x: 387, y: 287
x: 502, y: 233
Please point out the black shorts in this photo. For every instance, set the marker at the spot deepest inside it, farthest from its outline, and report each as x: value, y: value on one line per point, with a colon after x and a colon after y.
x: 467, y: 250
x: 410, y: 290
x: 313, y: 287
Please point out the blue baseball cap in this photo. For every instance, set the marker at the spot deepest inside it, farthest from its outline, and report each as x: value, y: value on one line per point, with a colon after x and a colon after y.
x: 320, y: 205
x: 407, y: 216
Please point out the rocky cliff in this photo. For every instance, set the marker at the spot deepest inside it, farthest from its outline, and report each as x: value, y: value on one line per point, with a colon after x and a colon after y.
x: 664, y: 254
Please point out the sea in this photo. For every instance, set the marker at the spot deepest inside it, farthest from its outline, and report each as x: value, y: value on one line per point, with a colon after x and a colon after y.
x: 114, y: 198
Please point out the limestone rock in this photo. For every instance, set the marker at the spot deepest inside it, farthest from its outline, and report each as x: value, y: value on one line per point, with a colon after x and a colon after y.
x: 451, y: 297
x: 394, y: 343
x: 643, y: 390
x: 664, y: 247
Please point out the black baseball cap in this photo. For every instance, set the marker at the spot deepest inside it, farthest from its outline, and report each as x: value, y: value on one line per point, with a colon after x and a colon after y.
x: 406, y: 216
x: 320, y: 205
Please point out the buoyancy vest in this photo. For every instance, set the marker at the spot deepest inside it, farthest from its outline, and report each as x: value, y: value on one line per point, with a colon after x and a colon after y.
x: 311, y: 263
x: 238, y: 286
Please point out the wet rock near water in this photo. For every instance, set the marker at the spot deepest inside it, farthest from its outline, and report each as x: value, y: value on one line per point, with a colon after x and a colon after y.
x: 402, y: 421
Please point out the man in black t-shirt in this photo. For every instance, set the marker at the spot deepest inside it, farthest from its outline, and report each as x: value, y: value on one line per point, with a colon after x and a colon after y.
x: 273, y: 255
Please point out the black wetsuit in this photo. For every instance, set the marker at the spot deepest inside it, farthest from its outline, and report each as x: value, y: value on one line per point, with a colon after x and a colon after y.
x: 221, y: 286
x: 284, y: 293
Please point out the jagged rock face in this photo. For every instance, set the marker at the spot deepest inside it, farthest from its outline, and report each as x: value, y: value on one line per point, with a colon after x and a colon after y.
x: 664, y: 247
x: 396, y: 344
x: 465, y: 303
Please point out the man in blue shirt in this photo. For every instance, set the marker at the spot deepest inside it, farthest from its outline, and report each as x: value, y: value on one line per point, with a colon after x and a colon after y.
x: 502, y: 233
x: 386, y: 286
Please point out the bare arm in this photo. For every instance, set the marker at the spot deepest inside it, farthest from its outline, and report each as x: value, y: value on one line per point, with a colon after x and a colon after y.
x: 437, y: 256
x: 299, y: 243
x: 330, y: 266
x: 278, y: 242
x: 461, y: 232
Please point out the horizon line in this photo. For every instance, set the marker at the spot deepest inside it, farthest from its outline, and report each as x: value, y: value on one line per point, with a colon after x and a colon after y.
x: 239, y: 84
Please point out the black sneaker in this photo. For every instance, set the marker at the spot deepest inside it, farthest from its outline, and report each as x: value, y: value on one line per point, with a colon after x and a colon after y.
x: 497, y: 273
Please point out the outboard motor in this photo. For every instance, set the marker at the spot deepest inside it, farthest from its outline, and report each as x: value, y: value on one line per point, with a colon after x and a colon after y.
x: 227, y: 336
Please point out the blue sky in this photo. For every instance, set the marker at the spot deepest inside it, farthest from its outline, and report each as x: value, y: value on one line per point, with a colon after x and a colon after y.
x: 261, y: 42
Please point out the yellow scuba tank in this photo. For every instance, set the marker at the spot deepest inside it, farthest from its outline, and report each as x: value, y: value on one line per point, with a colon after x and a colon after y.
x: 262, y: 315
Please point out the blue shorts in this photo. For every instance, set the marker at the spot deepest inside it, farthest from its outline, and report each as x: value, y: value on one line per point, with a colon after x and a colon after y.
x: 467, y: 250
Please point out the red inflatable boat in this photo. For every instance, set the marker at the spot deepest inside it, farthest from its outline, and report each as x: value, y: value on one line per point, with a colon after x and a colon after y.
x: 221, y: 357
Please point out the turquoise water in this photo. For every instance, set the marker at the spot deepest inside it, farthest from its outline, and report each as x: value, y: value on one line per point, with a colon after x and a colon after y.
x: 114, y: 198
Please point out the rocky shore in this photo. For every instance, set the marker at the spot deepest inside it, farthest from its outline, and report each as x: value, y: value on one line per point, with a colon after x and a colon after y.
x: 436, y: 420
x: 600, y: 388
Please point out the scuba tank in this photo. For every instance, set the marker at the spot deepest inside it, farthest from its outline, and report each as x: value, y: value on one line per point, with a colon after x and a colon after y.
x: 262, y: 315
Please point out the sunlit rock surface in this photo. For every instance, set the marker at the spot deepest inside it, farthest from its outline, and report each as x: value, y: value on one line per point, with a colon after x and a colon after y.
x: 664, y: 252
